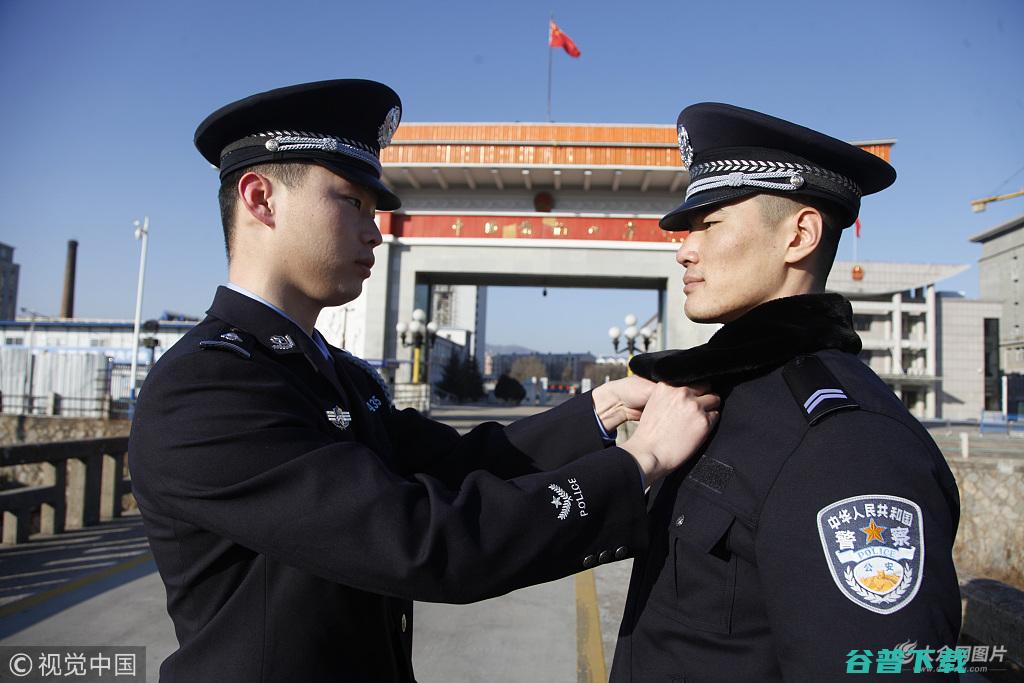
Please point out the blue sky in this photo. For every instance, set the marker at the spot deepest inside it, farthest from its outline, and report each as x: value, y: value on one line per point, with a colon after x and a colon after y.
x: 101, y: 100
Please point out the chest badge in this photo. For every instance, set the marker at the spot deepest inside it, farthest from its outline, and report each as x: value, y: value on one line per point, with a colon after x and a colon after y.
x: 282, y: 342
x: 874, y: 545
x: 339, y: 418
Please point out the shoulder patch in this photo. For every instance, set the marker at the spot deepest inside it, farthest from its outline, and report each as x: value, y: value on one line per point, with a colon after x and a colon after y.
x: 712, y: 473
x: 234, y: 340
x: 874, y: 546
x: 816, y: 390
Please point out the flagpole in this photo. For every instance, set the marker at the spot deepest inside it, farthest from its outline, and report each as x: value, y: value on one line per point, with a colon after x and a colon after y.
x: 552, y: 19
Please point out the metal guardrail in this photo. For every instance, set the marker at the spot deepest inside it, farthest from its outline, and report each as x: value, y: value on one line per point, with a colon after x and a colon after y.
x: 84, y: 485
x: 64, y: 406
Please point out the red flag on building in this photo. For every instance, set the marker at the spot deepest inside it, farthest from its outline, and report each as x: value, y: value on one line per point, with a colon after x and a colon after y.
x: 857, y: 228
x: 558, y: 39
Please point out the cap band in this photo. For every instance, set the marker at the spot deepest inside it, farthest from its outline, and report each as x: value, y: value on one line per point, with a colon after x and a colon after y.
x: 295, y: 141
x: 711, y: 175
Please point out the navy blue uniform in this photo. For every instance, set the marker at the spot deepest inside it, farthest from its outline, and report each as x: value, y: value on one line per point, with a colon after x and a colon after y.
x: 294, y: 514
x: 800, y: 534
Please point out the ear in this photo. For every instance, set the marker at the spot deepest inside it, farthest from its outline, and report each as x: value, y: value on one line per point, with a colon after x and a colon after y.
x: 256, y: 194
x: 805, y: 235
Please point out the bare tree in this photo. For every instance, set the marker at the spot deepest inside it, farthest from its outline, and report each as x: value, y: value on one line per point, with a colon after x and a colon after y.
x: 525, y: 367
x: 596, y: 372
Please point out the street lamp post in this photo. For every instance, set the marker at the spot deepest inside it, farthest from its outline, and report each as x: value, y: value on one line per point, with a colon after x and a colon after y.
x: 141, y: 232
x: 632, y: 334
x: 30, y: 377
x: 416, y: 333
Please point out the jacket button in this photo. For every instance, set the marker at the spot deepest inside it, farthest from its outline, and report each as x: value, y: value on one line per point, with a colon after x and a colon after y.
x: 621, y: 552
x: 589, y: 561
x: 680, y: 519
x: 405, y: 624
x: 605, y: 556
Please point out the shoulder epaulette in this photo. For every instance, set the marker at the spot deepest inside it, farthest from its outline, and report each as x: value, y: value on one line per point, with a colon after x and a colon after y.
x: 816, y: 390
x: 235, y: 341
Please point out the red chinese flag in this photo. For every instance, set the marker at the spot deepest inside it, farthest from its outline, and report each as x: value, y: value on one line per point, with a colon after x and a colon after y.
x: 558, y: 39
x: 857, y: 228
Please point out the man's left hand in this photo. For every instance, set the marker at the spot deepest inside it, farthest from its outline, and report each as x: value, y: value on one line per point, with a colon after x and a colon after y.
x: 621, y: 400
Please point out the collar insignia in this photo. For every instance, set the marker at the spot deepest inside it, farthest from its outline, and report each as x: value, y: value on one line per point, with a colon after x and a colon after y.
x: 281, y: 342
x: 231, y: 336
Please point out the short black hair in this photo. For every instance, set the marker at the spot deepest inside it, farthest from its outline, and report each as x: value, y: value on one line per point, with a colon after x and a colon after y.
x: 288, y: 173
x: 776, y: 207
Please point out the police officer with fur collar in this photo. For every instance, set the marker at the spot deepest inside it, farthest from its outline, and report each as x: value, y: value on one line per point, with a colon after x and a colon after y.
x: 813, y: 537
x: 293, y: 513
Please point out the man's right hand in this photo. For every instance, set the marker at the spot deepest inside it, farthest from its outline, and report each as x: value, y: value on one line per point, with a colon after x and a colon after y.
x: 674, y: 424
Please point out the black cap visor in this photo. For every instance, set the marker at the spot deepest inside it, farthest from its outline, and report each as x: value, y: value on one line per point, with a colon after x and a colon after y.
x: 386, y: 199
x: 679, y: 218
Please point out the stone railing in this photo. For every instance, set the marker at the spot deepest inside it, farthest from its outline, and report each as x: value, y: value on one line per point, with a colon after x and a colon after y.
x: 83, y: 483
x: 990, y: 540
x: 19, y: 429
x: 993, y: 615
x: 412, y: 396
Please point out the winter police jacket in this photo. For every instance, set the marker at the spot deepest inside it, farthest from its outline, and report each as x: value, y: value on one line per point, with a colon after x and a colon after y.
x: 795, y: 547
x: 294, y: 514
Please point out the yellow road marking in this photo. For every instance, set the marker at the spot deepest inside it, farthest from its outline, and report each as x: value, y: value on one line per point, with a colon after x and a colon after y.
x: 590, y: 666
x: 39, y: 598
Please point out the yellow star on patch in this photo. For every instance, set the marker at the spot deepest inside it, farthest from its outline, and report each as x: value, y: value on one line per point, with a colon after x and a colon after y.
x: 874, y: 532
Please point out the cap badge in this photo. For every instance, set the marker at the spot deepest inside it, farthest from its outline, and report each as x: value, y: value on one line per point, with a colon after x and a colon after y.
x: 685, y: 150
x: 339, y: 418
x: 281, y: 342
x: 388, y: 128
x: 231, y: 336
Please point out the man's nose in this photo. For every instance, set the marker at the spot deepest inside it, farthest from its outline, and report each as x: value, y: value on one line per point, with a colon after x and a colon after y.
x: 373, y: 235
x: 687, y: 254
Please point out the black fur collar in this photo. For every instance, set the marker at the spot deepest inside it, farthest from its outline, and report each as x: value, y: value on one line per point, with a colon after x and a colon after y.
x: 761, y: 340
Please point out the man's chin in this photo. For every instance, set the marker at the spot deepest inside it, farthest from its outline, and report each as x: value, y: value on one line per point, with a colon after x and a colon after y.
x: 343, y: 296
x: 697, y: 314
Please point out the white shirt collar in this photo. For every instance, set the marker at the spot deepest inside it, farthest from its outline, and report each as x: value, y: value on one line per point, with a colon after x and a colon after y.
x: 318, y: 340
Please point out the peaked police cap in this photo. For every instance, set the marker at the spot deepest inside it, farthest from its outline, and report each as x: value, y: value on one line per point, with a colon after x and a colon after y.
x: 733, y: 152
x: 341, y: 125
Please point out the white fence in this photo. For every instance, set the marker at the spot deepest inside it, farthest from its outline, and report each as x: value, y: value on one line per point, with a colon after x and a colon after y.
x: 70, y: 383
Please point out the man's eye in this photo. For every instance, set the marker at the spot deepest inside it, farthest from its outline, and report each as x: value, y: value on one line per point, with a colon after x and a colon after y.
x: 354, y: 201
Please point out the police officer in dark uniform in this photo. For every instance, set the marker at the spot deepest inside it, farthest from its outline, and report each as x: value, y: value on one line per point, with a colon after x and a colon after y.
x: 794, y: 547
x: 293, y: 512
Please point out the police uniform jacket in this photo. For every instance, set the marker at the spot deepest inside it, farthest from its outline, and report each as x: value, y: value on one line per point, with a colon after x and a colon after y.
x: 294, y: 514
x: 797, y: 541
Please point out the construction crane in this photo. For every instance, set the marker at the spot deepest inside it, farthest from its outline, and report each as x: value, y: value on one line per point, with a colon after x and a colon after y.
x: 978, y: 205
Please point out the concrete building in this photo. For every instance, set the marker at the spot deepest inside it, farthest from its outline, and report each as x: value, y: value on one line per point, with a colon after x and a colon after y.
x: 555, y: 364
x: 1000, y: 269
x: 460, y: 312
x: 8, y: 283
x: 929, y: 346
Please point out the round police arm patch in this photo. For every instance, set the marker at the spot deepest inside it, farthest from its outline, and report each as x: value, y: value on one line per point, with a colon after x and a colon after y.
x: 874, y: 545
